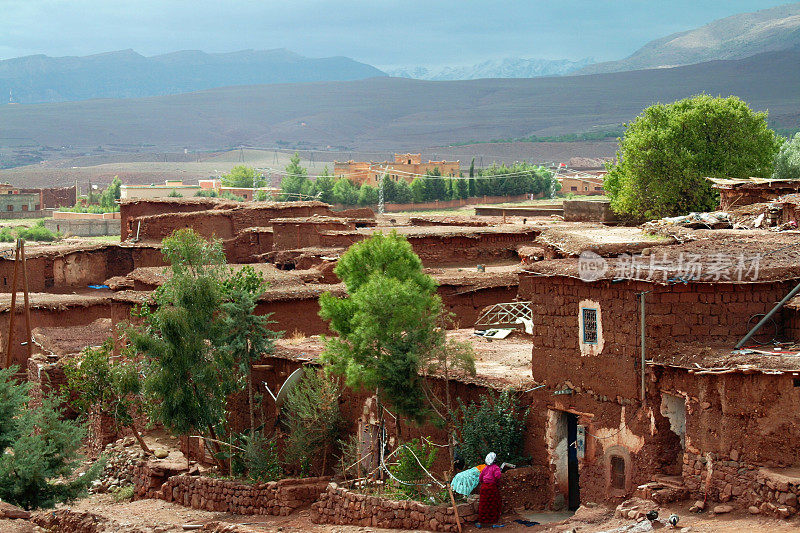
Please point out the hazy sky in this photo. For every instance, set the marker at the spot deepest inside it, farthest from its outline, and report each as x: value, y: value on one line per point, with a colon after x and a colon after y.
x: 379, y: 32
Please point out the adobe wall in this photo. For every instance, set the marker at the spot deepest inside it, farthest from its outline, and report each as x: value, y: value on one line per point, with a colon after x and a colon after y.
x: 219, y: 223
x: 76, y: 269
x: 731, y: 198
x: 57, y: 315
x: 293, y: 235
x: 451, y: 249
x: 450, y: 204
x: 52, y: 197
x: 467, y: 305
x: 738, y: 426
x: 248, y: 246
x: 134, y: 208
x: 588, y: 211
x: 715, y: 313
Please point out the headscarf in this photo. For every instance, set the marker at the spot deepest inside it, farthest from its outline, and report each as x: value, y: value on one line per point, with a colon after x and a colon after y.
x: 490, y: 458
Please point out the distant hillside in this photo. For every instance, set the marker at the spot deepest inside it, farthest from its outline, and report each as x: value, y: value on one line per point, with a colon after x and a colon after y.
x: 734, y: 37
x: 396, y: 113
x: 509, y: 67
x: 126, y: 74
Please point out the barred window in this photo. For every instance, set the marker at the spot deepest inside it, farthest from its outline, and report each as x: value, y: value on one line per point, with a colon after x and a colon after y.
x: 589, y: 326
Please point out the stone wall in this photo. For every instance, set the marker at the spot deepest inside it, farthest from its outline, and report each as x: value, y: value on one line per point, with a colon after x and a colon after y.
x: 726, y: 479
x: 341, y: 506
x: 279, y: 498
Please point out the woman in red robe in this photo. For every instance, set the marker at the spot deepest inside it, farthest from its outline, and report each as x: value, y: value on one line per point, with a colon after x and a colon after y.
x: 489, y: 503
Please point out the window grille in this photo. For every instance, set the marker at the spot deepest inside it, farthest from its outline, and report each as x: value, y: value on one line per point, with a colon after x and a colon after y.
x: 589, y: 325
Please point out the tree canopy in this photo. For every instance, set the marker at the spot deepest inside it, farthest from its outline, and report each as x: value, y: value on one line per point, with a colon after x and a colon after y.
x: 386, y: 324
x: 296, y: 181
x: 40, y: 449
x: 667, y: 152
x: 244, y: 177
x: 787, y: 162
x: 200, y: 340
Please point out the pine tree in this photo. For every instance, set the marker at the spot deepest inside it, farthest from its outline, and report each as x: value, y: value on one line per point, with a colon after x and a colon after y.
x: 40, y: 449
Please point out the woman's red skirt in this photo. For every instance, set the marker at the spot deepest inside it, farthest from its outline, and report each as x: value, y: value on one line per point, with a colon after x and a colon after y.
x: 489, y: 504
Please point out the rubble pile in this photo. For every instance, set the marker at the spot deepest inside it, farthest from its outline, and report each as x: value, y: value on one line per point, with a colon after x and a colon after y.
x: 121, y: 459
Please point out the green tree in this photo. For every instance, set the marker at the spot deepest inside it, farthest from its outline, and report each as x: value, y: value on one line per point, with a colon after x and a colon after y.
x: 40, y: 449
x: 667, y: 152
x: 324, y: 184
x: 200, y: 340
x: 313, y: 421
x: 418, y: 190
x: 403, y: 193
x: 344, y: 192
x: 243, y: 177
x: 109, y: 197
x: 494, y: 423
x: 435, y: 185
x: 389, y: 189
x: 386, y: 324
x: 98, y: 382
x: 367, y: 195
x: 296, y: 177
x: 787, y: 162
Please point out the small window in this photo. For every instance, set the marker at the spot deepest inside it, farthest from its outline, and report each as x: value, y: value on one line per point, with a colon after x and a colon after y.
x: 589, y: 325
x: 573, y: 188
x: 617, y: 472
x: 24, y: 207
x: 10, y: 208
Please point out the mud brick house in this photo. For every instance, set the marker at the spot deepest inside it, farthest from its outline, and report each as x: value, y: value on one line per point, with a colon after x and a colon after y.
x: 740, y: 192
x: 404, y: 167
x: 643, y: 387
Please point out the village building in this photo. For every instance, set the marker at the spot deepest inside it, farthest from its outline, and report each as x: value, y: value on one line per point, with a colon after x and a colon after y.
x: 404, y: 167
x: 14, y: 201
x: 735, y: 193
x: 588, y: 183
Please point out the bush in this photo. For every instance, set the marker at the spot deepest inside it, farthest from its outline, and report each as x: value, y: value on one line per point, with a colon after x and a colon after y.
x: 207, y: 193
x: 258, y: 460
x: 41, y: 449
x: 411, y: 459
x: 313, y: 421
x: 35, y: 233
x: 493, y: 425
x: 123, y: 494
x: 230, y: 196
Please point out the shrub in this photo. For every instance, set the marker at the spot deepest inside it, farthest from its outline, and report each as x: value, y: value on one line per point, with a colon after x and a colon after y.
x: 313, y: 420
x: 493, y: 425
x: 258, y: 459
x: 41, y: 449
x: 207, y: 193
x: 123, y: 494
x: 411, y: 459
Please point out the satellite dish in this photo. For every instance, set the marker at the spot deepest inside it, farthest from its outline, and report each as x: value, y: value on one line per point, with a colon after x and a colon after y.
x: 288, y: 385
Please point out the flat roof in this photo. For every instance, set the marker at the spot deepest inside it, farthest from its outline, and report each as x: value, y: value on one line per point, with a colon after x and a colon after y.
x: 498, y: 364
x: 712, y: 256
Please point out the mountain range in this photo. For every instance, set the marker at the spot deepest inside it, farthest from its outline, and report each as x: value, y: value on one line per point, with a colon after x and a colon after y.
x: 734, y: 37
x: 509, y: 67
x: 126, y: 73
x: 395, y: 113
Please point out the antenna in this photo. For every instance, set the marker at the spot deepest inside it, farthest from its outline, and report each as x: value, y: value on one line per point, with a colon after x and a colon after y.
x: 288, y: 385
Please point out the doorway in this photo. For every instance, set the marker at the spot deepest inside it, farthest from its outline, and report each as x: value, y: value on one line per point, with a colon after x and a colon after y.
x: 566, y: 443
x: 574, y: 497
